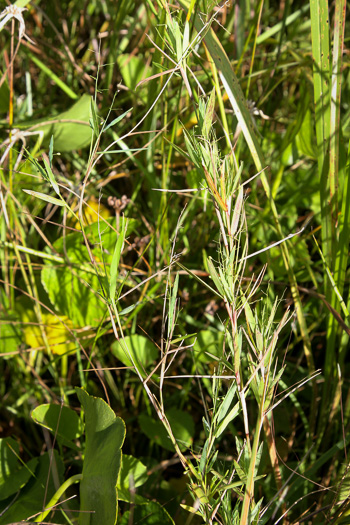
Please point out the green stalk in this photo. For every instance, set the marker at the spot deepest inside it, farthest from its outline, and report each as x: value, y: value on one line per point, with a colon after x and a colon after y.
x: 321, y: 72
x: 249, y: 489
x: 58, y: 494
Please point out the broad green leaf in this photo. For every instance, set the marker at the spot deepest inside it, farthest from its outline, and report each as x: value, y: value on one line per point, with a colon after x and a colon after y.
x: 70, y: 129
x: 305, y: 139
x: 149, y: 513
x: 97, y: 231
x: 132, y: 68
x: 142, y: 350
x: 39, y: 488
x: 74, y: 293
x: 10, y: 334
x: 46, y: 198
x: 132, y: 473
x: 181, y: 423
x: 13, y: 474
x: 129, y: 496
x: 344, y: 487
x: 105, y: 433
x: 208, y: 346
x: 74, y: 289
x: 63, y: 422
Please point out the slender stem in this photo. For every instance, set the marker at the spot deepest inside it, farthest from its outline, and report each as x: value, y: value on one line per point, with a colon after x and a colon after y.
x: 58, y: 494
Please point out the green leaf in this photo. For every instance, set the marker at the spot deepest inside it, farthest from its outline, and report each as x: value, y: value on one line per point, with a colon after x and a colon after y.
x: 116, y: 258
x: 209, y: 114
x: 215, y: 277
x: 46, y: 198
x: 132, y: 68
x: 150, y: 513
x: 51, y: 176
x: 105, y: 435
x: 225, y: 406
x: 172, y: 304
x: 10, y: 334
x: 94, y: 123
x: 208, y: 346
x: 63, y: 422
x: 56, y: 79
x: 132, y: 473
x: 70, y: 129
x: 74, y: 293
x: 38, y: 489
x: 51, y: 150
x: 4, y: 96
x: 116, y: 120
x: 13, y: 474
x: 142, y: 350
x: 182, y: 426
x: 73, y: 289
x: 305, y: 139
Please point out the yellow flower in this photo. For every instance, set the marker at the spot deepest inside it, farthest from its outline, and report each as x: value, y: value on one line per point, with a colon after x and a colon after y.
x: 56, y: 332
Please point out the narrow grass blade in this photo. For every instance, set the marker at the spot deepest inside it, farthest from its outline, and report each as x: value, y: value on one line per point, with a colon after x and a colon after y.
x: 115, y: 260
x: 94, y: 124
x: 116, y: 120
x: 51, y: 177
x: 46, y: 198
x: 51, y: 150
x: 53, y: 77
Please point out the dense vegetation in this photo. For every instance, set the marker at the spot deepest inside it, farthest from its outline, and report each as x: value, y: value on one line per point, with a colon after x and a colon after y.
x: 174, y: 242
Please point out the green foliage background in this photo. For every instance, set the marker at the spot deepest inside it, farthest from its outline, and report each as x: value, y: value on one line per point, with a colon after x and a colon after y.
x: 103, y: 104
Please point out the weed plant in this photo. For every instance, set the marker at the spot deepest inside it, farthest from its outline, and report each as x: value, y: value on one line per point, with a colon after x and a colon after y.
x: 174, y: 236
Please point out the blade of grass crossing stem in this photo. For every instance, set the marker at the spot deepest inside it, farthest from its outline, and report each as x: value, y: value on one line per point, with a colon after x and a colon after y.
x: 239, y: 105
x: 115, y: 260
x: 321, y: 74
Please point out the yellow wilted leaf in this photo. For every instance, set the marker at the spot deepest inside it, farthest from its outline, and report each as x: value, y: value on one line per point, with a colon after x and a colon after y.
x: 92, y: 212
x: 56, y: 331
